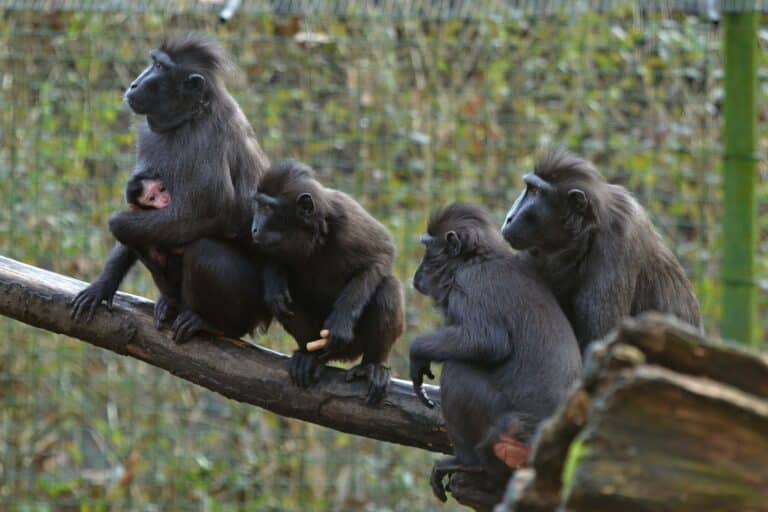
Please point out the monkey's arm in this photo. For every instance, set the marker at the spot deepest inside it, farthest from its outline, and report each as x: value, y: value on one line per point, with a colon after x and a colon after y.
x: 486, y: 344
x: 349, y: 306
x: 104, y: 287
x: 162, y: 228
x: 604, y: 299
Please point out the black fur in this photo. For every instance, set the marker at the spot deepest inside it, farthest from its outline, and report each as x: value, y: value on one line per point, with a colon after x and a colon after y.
x: 596, y: 247
x: 196, y: 140
x: 509, y: 354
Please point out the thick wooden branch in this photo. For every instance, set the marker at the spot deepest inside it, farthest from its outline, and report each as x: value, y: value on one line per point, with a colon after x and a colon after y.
x: 662, y: 420
x: 233, y: 368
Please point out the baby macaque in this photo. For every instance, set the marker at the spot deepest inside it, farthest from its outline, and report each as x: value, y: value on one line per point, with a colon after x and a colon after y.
x: 146, y: 192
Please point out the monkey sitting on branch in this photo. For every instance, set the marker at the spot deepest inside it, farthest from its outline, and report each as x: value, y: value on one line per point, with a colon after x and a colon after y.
x: 596, y: 247
x: 194, y: 138
x: 509, y: 354
x: 337, y: 260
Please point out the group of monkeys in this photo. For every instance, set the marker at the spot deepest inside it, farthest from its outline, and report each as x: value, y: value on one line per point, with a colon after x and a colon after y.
x: 233, y: 243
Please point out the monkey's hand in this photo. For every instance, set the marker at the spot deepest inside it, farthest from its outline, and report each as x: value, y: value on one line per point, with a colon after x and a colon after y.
x: 420, y: 368
x: 341, y: 332
x: 85, y: 303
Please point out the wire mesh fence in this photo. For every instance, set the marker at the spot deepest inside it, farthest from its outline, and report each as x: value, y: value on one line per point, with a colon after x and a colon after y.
x: 403, y: 111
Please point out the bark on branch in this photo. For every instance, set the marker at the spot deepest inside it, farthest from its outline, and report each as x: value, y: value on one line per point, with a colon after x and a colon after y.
x: 233, y: 368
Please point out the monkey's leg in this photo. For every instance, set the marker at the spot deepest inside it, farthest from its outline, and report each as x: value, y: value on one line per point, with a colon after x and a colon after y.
x: 380, y: 325
x: 305, y: 367
x: 446, y: 467
x: 378, y: 379
x: 221, y: 291
x: 166, y: 270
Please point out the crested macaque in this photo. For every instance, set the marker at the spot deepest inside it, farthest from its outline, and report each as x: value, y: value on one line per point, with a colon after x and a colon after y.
x: 195, y: 141
x: 509, y: 354
x: 337, y: 260
x: 596, y: 247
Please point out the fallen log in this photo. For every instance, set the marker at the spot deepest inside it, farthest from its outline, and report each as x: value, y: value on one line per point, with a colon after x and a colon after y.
x: 663, y: 420
x: 233, y: 368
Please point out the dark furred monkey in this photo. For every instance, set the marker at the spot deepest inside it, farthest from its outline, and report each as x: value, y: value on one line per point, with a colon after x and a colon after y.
x: 338, y: 261
x: 596, y: 247
x: 196, y: 141
x: 509, y: 354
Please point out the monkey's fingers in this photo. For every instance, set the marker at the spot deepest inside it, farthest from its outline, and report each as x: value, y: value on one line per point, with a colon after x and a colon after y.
x: 186, y: 325
x: 378, y: 382
x: 436, y: 482
x: 423, y: 396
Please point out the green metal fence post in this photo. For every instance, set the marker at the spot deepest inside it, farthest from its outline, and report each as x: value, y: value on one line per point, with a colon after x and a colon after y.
x: 739, y: 321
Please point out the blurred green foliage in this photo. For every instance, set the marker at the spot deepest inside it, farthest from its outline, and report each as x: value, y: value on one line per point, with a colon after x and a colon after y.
x: 403, y: 114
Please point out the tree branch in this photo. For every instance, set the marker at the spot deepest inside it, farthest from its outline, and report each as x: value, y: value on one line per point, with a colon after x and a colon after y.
x: 233, y: 368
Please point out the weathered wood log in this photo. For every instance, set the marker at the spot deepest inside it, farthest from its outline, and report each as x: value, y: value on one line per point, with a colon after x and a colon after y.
x: 233, y: 368
x: 664, y: 420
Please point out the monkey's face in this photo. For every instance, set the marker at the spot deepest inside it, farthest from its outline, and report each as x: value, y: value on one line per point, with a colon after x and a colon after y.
x: 154, y: 194
x: 285, y: 226
x: 542, y: 217
x: 434, y: 272
x: 166, y: 92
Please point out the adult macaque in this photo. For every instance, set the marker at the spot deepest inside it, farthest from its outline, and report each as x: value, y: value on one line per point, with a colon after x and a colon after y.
x: 195, y: 140
x: 596, y: 247
x: 509, y: 354
x: 338, y: 262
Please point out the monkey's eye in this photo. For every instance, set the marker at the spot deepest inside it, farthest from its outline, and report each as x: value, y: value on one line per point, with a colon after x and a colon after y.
x: 162, y: 189
x: 151, y: 198
x: 265, y: 208
x: 534, y: 191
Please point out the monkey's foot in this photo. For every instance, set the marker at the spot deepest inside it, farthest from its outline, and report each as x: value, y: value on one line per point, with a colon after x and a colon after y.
x: 166, y: 310
x: 305, y: 368
x: 446, y: 467
x: 511, y: 452
x: 189, y: 323
x: 378, y: 380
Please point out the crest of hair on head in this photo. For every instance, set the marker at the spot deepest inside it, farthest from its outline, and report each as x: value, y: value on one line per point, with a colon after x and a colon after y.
x: 200, y: 52
x: 566, y: 170
x: 471, y: 222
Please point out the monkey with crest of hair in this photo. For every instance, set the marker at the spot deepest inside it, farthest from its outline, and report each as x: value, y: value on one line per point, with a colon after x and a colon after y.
x: 509, y: 354
x: 596, y: 247
x: 194, y: 139
x: 338, y: 262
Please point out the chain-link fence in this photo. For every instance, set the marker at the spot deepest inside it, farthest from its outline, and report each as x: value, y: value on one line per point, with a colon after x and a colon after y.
x: 403, y: 109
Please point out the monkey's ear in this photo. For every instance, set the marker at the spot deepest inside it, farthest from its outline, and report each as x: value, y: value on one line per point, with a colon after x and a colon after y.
x: 305, y: 204
x: 194, y: 82
x: 577, y: 200
x: 453, y: 243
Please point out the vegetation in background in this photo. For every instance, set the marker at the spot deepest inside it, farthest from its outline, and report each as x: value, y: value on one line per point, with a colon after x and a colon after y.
x: 403, y: 114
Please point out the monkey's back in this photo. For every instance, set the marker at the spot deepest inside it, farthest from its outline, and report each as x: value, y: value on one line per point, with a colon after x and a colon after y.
x: 544, y: 358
